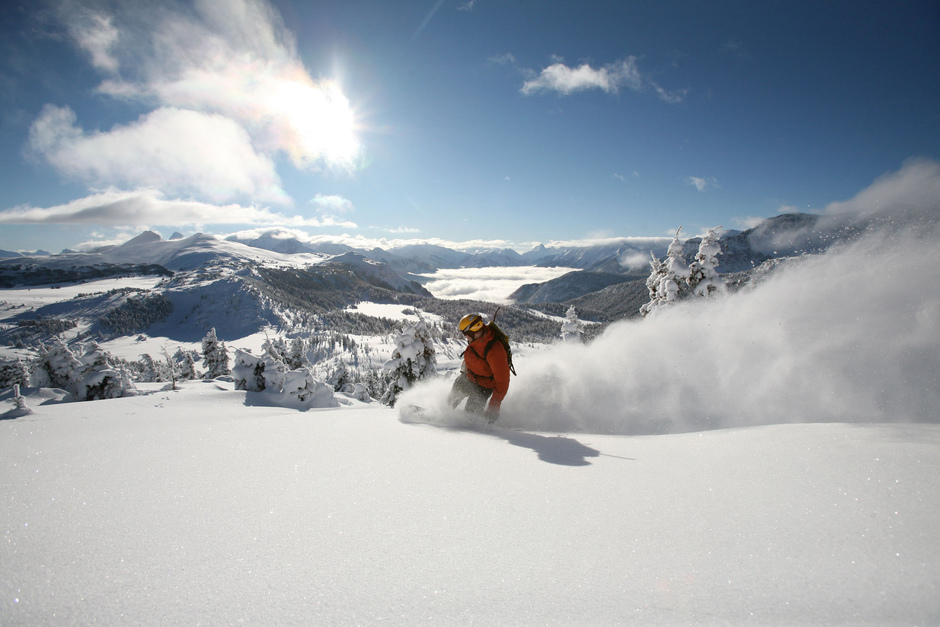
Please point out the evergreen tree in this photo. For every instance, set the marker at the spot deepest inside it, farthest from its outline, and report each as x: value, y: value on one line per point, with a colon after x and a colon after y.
x: 412, y: 359
x: 653, y: 283
x: 296, y: 357
x: 149, y: 372
x: 571, y: 328
x: 704, y: 279
x: 96, y: 377
x: 54, y: 366
x: 215, y: 356
x: 13, y: 373
x: 188, y: 367
x: 671, y: 280
x: 185, y: 364
x: 668, y: 280
x: 676, y: 284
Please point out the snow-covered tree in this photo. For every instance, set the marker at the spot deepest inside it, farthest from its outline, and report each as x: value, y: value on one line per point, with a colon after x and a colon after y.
x: 185, y: 364
x: 301, y: 389
x: 297, y: 355
x: 281, y: 386
x: 54, y: 366
x: 13, y: 373
x: 653, y: 283
x: 412, y: 359
x: 704, y: 279
x: 339, y: 376
x: 571, y: 328
x: 248, y: 371
x: 215, y: 356
x: 97, y: 378
x: 149, y: 371
x: 93, y: 376
x: 672, y: 280
x: 676, y: 284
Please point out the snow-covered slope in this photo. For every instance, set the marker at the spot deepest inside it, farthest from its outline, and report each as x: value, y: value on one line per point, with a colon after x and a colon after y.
x: 197, y: 251
x: 193, y: 507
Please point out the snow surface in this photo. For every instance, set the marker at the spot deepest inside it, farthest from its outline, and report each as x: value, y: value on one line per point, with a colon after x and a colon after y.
x: 36, y: 297
x: 192, y: 507
x: 392, y: 312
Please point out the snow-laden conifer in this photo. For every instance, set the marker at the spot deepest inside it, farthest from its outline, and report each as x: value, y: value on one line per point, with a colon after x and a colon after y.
x: 281, y: 386
x: 676, y: 284
x: 669, y: 279
x: 412, y: 359
x: 297, y: 355
x: 185, y: 364
x: 215, y: 356
x: 97, y: 378
x: 672, y: 280
x: 54, y: 366
x: 704, y: 279
x: 13, y: 373
x: 92, y: 376
x: 571, y: 327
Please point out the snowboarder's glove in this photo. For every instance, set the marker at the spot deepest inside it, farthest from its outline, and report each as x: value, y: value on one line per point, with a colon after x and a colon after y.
x: 492, y: 414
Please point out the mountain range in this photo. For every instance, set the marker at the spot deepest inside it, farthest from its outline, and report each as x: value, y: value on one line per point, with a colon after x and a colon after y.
x: 274, y: 278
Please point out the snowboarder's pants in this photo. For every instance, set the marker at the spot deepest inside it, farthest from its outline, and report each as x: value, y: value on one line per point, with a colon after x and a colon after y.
x: 476, y: 395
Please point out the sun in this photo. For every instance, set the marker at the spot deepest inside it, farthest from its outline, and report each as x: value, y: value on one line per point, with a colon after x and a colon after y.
x: 317, y: 124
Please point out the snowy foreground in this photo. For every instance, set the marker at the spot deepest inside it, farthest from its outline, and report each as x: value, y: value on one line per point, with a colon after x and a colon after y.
x: 198, y: 507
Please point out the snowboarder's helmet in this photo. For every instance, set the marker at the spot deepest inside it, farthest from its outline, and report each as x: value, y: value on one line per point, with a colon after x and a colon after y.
x: 471, y: 323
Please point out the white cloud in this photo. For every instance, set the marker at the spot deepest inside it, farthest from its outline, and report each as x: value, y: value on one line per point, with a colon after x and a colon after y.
x: 235, y: 58
x: 175, y: 150
x: 487, y: 284
x: 642, y: 243
x: 504, y: 59
x: 749, y: 222
x: 635, y: 260
x: 149, y: 206
x: 95, y: 34
x: 702, y: 183
x: 566, y: 80
x: 610, y: 78
x: 331, y: 204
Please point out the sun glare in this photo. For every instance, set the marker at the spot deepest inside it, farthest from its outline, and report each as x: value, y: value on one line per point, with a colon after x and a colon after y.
x: 319, y: 121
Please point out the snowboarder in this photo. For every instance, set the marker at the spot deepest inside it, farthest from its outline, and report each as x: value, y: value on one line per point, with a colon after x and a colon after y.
x: 484, y: 375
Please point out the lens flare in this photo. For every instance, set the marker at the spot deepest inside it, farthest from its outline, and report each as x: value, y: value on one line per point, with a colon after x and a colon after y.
x: 318, y: 123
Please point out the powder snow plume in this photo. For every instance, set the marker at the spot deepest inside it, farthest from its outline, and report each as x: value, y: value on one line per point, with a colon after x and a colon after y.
x: 849, y: 336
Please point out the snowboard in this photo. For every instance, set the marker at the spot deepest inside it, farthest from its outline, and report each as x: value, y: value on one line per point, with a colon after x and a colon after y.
x: 447, y: 418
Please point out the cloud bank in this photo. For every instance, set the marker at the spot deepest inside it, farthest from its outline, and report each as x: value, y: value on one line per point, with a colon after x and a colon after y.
x: 150, y: 207
x: 492, y: 285
x: 175, y: 150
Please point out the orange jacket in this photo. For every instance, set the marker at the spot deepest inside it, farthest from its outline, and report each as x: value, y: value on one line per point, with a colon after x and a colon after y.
x: 488, y: 368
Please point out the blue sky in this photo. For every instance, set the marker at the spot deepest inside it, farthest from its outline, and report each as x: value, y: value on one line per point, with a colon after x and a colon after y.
x: 451, y: 121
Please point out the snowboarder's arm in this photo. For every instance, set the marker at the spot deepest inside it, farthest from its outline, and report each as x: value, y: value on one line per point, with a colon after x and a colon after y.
x: 499, y: 364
